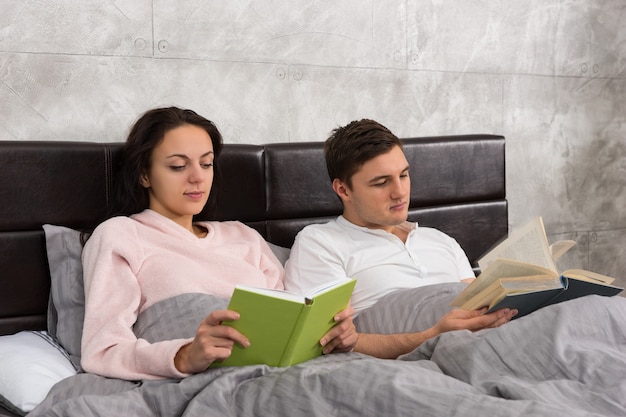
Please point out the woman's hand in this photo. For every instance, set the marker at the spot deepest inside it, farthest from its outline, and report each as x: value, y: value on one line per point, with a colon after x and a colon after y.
x: 342, y: 337
x: 213, y: 342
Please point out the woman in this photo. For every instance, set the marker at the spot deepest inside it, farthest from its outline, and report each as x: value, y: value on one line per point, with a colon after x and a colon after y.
x: 153, y: 250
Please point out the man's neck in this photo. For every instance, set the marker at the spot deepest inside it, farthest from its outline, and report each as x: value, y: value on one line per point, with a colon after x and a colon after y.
x: 400, y: 232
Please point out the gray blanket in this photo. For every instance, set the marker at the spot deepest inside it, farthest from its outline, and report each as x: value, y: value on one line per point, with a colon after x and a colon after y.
x: 564, y: 360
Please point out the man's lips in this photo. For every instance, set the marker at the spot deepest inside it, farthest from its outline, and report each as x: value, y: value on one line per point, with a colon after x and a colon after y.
x: 399, y: 206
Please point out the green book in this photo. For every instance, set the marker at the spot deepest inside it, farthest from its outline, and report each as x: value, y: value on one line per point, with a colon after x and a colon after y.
x: 284, y: 328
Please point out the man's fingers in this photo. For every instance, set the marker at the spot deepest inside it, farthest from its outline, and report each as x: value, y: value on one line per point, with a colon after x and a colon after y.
x: 344, y: 314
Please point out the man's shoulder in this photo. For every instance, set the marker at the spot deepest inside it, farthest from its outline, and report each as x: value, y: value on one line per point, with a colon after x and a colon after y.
x: 322, y: 233
x: 426, y: 232
x: 331, y: 226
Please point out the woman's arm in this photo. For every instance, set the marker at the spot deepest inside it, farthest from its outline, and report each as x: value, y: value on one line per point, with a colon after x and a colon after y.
x: 111, y: 258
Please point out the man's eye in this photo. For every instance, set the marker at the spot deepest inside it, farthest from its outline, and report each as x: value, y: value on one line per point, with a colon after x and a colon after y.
x: 380, y: 184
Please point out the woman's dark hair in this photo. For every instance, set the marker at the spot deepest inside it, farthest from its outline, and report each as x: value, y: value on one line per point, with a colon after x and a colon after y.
x: 351, y: 146
x: 130, y: 196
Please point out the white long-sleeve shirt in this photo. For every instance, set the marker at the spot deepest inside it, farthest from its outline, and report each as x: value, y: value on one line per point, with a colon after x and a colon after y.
x: 131, y: 263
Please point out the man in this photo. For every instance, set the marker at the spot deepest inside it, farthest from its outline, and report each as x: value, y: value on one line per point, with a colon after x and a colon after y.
x: 374, y: 243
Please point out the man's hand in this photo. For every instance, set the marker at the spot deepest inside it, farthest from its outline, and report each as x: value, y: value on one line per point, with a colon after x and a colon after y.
x: 342, y: 337
x: 473, y: 320
x: 212, y: 342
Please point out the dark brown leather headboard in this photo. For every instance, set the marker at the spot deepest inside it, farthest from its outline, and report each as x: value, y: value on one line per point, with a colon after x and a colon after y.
x: 457, y: 185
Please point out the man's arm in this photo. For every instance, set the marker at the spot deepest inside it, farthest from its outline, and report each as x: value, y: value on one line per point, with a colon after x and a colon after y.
x: 343, y: 337
x: 313, y: 260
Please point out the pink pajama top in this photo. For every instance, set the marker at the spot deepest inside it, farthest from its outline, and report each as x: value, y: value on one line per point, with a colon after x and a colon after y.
x: 131, y: 263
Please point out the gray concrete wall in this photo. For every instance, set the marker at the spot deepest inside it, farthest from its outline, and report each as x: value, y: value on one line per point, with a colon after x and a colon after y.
x: 550, y: 75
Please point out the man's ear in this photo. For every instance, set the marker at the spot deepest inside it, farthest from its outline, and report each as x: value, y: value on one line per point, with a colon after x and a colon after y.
x: 341, y: 189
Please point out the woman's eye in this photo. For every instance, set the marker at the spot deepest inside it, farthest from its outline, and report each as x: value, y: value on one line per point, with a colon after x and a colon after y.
x: 177, y: 167
x: 207, y: 166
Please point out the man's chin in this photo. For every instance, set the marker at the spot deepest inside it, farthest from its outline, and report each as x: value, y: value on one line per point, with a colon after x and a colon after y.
x: 399, y: 218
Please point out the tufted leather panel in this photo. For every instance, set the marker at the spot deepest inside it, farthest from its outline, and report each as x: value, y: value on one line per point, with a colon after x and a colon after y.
x: 455, y: 169
x: 241, y: 195
x: 24, y: 281
x: 63, y: 183
x: 297, y: 182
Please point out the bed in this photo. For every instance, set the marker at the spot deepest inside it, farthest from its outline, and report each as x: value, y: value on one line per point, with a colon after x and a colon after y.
x: 568, y: 359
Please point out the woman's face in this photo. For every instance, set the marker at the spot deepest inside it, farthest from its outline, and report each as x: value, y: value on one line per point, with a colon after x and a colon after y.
x: 181, y: 174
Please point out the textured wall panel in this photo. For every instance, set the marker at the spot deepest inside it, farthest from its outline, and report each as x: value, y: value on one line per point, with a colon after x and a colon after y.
x: 530, y: 37
x: 566, y: 151
x: 607, y: 21
x: 606, y: 254
x: 97, y: 98
x: 409, y: 103
x: 91, y: 27
x: 352, y: 33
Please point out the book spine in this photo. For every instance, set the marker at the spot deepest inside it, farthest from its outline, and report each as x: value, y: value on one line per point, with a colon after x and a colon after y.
x: 289, y: 351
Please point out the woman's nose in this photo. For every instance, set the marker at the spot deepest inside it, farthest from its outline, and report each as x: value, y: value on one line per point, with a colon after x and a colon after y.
x: 197, y: 174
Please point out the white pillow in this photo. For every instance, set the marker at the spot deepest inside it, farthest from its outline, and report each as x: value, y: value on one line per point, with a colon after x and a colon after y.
x: 30, y: 364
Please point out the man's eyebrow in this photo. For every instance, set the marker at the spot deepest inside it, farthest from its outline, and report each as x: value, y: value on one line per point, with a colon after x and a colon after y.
x: 383, y: 177
x: 378, y: 178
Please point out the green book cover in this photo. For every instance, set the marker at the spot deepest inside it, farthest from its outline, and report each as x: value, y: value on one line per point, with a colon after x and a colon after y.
x: 284, y: 328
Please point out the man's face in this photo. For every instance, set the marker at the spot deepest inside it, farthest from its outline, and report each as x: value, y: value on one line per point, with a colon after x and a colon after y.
x: 380, y: 192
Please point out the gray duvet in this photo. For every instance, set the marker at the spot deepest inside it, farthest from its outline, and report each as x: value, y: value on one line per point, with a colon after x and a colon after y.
x: 564, y: 360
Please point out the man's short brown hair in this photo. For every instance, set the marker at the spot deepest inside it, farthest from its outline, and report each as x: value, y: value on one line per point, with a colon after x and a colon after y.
x: 351, y: 146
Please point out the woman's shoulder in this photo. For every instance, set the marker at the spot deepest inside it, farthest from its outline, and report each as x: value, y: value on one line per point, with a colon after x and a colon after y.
x: 116, y: 222
x: 115, y: 226
x: 231, y: 227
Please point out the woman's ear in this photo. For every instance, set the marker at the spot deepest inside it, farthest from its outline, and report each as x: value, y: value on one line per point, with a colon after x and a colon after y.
x: 144, y: 181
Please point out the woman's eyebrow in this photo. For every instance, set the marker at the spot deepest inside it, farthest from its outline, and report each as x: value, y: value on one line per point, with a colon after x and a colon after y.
x: 180, y: 155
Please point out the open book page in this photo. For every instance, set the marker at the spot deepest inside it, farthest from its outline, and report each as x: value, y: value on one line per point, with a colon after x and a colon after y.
x: 291, y: 296
x: 275, y: 293
x: 558, y: 249
x: 500, y: 288
x: 584, y: 275
x: 501, y: 268
x: 527, y: 244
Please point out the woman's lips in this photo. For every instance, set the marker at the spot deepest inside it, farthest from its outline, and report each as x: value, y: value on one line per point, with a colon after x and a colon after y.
x: 195, y: 195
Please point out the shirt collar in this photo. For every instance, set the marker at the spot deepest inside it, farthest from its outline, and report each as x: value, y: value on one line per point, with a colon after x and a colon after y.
x: 406, y: 225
